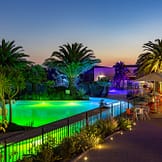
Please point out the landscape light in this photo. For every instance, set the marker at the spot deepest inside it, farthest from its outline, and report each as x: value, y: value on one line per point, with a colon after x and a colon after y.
x: 121, y: 132
x: 134, y: 123
x: 99, y: 146
x: 85, y: 158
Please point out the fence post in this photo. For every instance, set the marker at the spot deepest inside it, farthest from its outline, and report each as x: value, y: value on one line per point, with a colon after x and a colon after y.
x: 112, y: 110
x: 109, y: 112
x: 68, y: 127
x: 100, y: 113
x: 42, y: 135
x: 128, y: 103
x: 5, y: 151
x: 87, y: 119
x: 120, y: 109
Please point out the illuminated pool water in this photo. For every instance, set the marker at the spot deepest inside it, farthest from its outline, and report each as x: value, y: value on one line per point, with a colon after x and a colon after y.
x: 37, y: 113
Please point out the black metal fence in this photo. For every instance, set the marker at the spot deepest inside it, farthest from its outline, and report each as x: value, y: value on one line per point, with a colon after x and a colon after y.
x: 25, y: 143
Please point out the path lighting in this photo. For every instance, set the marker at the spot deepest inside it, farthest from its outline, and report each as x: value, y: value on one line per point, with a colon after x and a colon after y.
x: 121, y: 133
x: 85, y: 158
x: 134, y: 123
x: 99, y: 147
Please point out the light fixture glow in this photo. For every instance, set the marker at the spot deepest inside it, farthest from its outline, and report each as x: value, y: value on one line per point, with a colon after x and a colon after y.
x: 99, y: 146
x: 85, y: 158
x: 121, y: 132
x: 134, y: 123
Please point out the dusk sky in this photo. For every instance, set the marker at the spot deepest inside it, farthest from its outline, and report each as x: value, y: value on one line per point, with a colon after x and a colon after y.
x: 114, y: 29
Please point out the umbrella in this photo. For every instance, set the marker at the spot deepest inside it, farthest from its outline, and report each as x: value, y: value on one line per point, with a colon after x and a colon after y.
x: 155, y: 76
x: 151, y: 77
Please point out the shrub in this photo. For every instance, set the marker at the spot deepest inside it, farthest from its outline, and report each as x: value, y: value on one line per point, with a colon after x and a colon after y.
x: 71, y: 147
x: 124, y: 123
x: 92, y: 134
x: 101, y: 128
x: 81, y: 92
x: 26, y: 159
x: 46, y: 152
x: 111, y: 126
x: 3, y: 126
x: 66, y: 149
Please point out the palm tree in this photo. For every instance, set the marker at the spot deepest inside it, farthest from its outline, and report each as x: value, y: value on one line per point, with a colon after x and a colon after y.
x: 151, y: 59
x: 120, y: 74
x: 72, y: 71
x: 72, y: 60
x: 12, y: 56
x: 12, y: 60
x: 104, y: 82
x: 71, y: 53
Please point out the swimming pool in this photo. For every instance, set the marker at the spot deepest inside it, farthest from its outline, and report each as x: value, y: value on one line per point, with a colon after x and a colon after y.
x: 37, y: 113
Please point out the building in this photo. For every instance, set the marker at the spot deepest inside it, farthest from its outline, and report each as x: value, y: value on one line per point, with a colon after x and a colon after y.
x: 98, y: 72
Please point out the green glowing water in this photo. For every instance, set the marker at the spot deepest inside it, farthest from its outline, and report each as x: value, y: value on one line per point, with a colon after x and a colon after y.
x: 37, y: 113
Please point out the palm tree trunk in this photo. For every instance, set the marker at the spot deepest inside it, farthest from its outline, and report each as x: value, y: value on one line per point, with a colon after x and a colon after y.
x: 10, y: 110
x: 4, y: 113
x: 72, y: 87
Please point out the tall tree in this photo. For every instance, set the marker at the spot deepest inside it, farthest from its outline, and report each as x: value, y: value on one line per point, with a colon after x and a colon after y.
x: 17, y: 82
x: 72, y: 60
x: 104, y: 82
x: 151, y: 59
x: 12, y: 60
x: 4, y: 86
x: 12, y: 56
x: 120, y: 74
x: 72, y: 71
x: 35, y: 75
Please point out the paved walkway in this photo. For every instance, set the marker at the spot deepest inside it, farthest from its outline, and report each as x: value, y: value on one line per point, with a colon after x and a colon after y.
x: 142, y: 144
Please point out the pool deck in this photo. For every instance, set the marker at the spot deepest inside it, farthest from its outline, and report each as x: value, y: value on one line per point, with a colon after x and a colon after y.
x: 142, y: 144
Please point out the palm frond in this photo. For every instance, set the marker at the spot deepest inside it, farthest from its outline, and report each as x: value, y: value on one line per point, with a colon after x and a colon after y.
x: 151, y: 59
